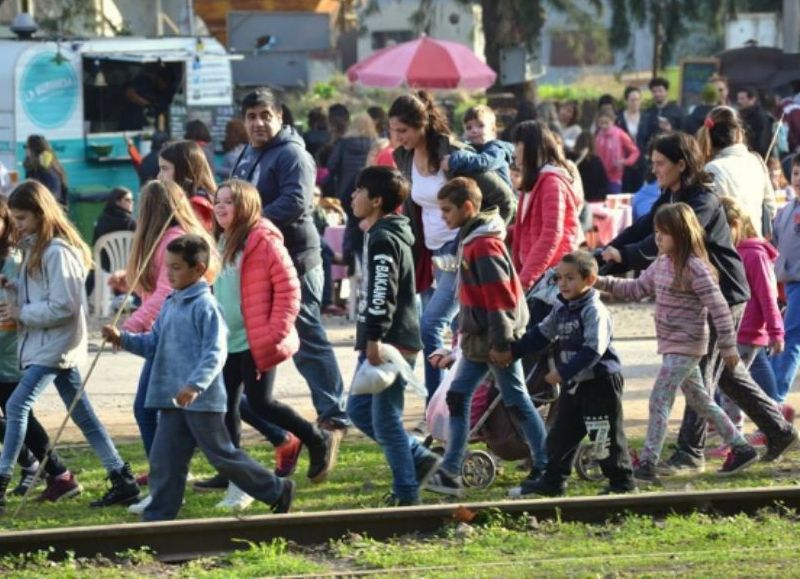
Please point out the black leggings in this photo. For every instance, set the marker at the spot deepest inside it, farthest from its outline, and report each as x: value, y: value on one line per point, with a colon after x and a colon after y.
x: 37, y: 443
x: 241, y: 369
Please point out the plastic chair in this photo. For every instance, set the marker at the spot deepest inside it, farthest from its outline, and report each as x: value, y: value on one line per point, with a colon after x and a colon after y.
x: 117, y: 247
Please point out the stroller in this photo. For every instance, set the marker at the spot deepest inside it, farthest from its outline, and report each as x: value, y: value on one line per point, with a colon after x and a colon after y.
x: 491, y: 422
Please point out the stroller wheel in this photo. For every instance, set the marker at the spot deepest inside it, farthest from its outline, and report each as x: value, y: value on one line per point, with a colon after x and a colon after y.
x: 586, y: 464
x: 479, y: 469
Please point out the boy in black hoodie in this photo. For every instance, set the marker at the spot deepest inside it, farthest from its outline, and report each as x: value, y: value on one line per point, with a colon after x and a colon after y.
x: 387, y: 313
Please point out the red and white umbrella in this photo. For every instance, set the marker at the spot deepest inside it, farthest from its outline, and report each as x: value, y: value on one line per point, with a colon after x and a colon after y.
x: 423, y: 63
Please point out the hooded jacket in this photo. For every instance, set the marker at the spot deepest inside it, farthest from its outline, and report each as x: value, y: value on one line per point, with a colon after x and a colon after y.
x: 637, y: 243
x: 547, y: 225
x: 612, y: 146
x: 387, y: 309
x: 786, y: 237
x: 761, y: 322
x: 284, y: 174
x: 52, y: 307
x: 494, y: 155
x: 493, y: 311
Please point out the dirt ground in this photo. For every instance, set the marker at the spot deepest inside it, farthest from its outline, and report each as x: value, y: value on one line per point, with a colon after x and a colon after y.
x: 112, y: 385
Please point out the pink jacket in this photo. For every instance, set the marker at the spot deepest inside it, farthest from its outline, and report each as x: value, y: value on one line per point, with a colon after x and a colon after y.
x: 546, y: 226
x: 612, y: 146
x: 681, y: 326
x: 143, y: 318
x: 761, y: 321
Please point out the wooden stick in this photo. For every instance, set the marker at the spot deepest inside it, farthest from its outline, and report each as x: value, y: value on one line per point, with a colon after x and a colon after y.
x: 80, y: 391
x: 774, y: 137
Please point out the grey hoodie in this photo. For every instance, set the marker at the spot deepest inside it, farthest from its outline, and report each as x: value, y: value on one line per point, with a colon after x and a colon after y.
x: 786, y: 237
x: 52, y: 307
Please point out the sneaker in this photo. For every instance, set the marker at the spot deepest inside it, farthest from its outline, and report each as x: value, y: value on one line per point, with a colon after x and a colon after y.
x: 739, y: 458
x: 757, y: 439
x: 215, y: 483
x: 60, y: 487
x: 391, y: 500
x: 26, y: 481
x: 235, y: 499
x: 332, y: 425
x: 646, y: 472
x: 284, y: 502
x: 323, y: 457
x: 720, y: 451
x: 681, y: 463
x: 426, y: 468
x: 445, y: 484
x: 788, y: 412
x: 776, y: 449
x: 287, y: 455
x: 138, y: 508
x: 538, y: 486
x: 123, y: 491
x: 143, y: 480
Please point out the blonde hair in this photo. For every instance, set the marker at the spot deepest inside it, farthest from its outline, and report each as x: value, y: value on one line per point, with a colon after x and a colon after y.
x: 362, y: 125
x: 246, y: 215
x: 737, y: 217
x: 679, y: 221
x: 160, y: 200
x: 34, y: 197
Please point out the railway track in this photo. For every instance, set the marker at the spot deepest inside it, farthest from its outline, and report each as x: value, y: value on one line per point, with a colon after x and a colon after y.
x: 187, y: 539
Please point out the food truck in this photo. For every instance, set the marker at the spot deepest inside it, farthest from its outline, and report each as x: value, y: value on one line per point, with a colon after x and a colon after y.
x: 78, y: 94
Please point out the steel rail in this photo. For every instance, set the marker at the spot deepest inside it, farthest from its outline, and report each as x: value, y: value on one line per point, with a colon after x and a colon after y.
x: 187, y: 539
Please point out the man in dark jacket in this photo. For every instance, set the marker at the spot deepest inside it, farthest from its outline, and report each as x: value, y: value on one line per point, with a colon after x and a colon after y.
x: 758, y: 124
x: 662, y: 117
x: 277, y: 163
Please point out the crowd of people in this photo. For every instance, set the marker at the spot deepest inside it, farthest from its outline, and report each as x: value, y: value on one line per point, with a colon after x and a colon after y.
x: 470, y: 253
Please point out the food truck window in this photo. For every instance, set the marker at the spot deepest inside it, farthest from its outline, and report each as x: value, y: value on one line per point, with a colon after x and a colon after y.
x: 120, y: 95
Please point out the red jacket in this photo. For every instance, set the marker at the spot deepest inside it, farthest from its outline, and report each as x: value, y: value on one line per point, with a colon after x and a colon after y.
x: 204, y: 210
x: 612, y: 146
x: 547, y: 225
x: 270, y: 297
x: 761, y: 322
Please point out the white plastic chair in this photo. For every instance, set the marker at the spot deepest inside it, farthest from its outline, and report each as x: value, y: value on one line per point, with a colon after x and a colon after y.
x: 117, y: 247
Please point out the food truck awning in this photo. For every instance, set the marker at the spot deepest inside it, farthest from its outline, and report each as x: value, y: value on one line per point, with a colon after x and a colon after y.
x: 144, y: 57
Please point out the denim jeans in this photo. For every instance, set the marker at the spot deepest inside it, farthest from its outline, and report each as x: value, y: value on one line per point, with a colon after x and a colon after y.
x: 438, y: 311
x: 315, y: 359
x: 511, y: 384
x: 34, y: 380
x: 787, y: 362
x: 762, y: 372
x: 146, y: 418
x: 380, y: 417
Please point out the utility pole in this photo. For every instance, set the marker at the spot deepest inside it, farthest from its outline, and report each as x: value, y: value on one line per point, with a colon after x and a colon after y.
x: 791, y: 25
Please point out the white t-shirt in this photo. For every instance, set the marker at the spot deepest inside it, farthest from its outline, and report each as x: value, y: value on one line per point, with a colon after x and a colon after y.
x: 423, y: 192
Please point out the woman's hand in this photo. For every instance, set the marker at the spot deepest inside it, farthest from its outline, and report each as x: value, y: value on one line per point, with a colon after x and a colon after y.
x: 9, y: 313
x: 611, y: 254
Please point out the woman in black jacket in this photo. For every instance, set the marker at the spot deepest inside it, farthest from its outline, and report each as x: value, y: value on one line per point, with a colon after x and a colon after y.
x: 117, y: 215
x: 678, y: 165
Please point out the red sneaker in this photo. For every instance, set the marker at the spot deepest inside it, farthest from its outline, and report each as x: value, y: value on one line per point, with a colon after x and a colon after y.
x: 287, y: 455
x: 788, y: 412
x: 62, y: 487
x: 143, y: 479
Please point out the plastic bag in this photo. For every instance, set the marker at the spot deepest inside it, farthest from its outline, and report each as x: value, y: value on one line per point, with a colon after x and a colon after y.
x: 371, y: 379
x: 437, y: 416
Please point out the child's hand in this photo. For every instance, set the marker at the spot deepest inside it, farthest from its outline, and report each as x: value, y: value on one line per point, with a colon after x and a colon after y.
x: 776, y: 346
x: 374, y: 353
x: 445, y: 163
x: 111, y: 335
x: 732, y: 361
x: 502, y: 359
x: 553, y: 378
x: 611, y: 254
x: 186, y: 396
x: 9, y: 313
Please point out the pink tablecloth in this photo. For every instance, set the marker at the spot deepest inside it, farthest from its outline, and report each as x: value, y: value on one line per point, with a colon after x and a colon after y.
x: 610, y: 221
x: 334, y: 237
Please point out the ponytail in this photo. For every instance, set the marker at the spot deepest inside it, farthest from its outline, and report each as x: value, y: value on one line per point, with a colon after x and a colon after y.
x: 721, y: 129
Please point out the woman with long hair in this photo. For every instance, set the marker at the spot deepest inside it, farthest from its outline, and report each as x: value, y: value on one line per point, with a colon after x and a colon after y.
x: 233, y: 144
x: 42, y: 165
x: 184, y: 162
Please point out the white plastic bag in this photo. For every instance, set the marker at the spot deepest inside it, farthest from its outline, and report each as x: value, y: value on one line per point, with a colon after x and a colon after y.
x: 437, y: 416
x: 371, y: 379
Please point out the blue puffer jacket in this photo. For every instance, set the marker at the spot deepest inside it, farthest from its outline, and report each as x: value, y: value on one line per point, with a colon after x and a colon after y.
x: 188, y: 345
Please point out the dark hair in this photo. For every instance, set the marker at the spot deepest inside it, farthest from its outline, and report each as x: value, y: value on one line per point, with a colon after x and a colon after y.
x: 287, y: 116
x: 540, y: 148
x: 196, y: 130
x: 192, y: 248
x: 6, y: 237
x: 658, y: 81
x: 262, y: 97
x: 583, y: 261
x: 796, y: 160
x: 380, y: 118
x: 604, y: 100
x: 384, y: 182
x: 575, y: 111
x: 722, y: 128
x: 750, y: 91
x: 460, y: 190
x: 38, y: 145
x: 584, y: 141
x: 338, y: 119
x: 678, y: 146
x: 235, y: 135
x: 192, y: 171
x: 420, y: 112
x: 629, y: 90
x: 117, y: 194
x: 317, y: 119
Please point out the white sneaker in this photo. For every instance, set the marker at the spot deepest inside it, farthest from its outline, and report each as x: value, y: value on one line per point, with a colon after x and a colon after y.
x: 235, y: 499
x: 138, y: 508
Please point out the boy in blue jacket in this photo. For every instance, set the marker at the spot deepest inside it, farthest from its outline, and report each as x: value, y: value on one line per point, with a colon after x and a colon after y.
x: 188, y: 347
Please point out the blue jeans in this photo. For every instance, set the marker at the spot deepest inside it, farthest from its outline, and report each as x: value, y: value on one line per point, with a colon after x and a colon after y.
x: 787, y: 362
x: 315, y: 359
x: 515, y: 396
x: 380, y: 417
x: 438, y: 312
x: 146, y: 418
x: 762, y: 373
x: 34, y: 380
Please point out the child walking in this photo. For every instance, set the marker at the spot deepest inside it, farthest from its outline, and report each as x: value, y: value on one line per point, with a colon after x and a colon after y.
x: 188, y: 347
x: 493, y: 316
x: 685, y: 288
x: 51, y: 313
x: 387, y: 314
x: 259, y: 293
x: 590, y: 374
x: 61, y: 483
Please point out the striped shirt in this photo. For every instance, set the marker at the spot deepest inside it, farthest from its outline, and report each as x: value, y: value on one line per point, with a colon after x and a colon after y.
x: 681, y: 314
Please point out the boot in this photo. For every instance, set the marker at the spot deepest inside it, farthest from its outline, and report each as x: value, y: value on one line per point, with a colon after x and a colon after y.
x: 123, y: 491
x: 4, y: 480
